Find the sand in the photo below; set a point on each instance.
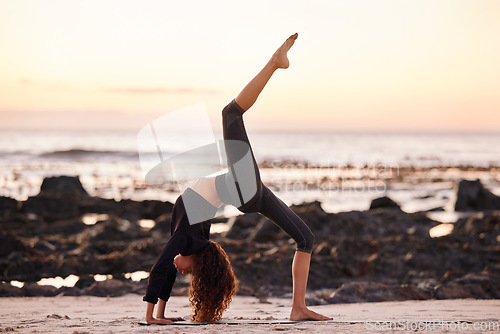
(87, 314)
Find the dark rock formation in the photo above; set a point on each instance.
(380, 254)
(8, 290)
(111, 288)
(472, 285)
(472, 196)
(383, 202)
(7, 205)
(35, 290)
(241, 226)
(63, 186)
(356, 292)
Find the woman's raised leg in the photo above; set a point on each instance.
(283, 217)
(250, 93)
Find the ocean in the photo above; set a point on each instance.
(344, 171)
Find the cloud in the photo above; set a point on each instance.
(160, 90)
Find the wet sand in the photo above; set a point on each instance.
(87, 314)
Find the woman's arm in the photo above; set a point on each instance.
(162, 276)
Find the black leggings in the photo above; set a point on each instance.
(241, 162)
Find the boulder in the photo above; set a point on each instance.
(35, 290)
(162, 224)
(472, 196)
(241, 226)
(358, 292)
(111, 288)
(7, 204)
(383, 202)
(154, 209)
(312, 213)
(58, 199)
(473, 285)
(113, 228)
(8, 290)
(266, 231)
(63, 186)
(10, 243)
(51, 208)
(84, 281)
(482, 227)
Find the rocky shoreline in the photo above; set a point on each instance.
(376, 255)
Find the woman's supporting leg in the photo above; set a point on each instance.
(300, 273)
(160, 311)
(152, 320)
(250, 93)
(277, 211)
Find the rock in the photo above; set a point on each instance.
(18, 223)
(58, 199)
(44, 246)
(35, 290)
(266, 231)
(154, 209)
(84, 281)
(312, 213)
(65, 227)
(113, 228)
(483, 227)
(51, 208)
(70, 291)
(374, 224)
(63, 186)
(242, 226)
(100, 205)
(7, 204)
(358, 292)
(8, 290)
(395, 222)
(472, 196)
(111, 288)
(323, 249)
(315, 301)
(436, 209)
(162, 224)
(383, 202)
(10, 243)
(472, 285)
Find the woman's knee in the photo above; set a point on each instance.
(307, 242)
(233, 108)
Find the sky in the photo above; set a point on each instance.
(357, 65)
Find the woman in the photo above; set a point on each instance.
(213, 283)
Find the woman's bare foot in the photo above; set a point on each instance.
(171, 319)
(162, 321)
(279, 58)
(304, 313)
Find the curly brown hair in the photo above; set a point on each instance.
(213, 283)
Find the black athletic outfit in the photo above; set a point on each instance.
(187, 239)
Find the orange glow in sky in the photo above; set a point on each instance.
(360, 65)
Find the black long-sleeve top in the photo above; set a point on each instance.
(185, 239)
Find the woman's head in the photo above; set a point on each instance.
(184, 263)
(213, 283)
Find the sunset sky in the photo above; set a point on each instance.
(358, 65)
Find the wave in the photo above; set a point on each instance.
(82, 153)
